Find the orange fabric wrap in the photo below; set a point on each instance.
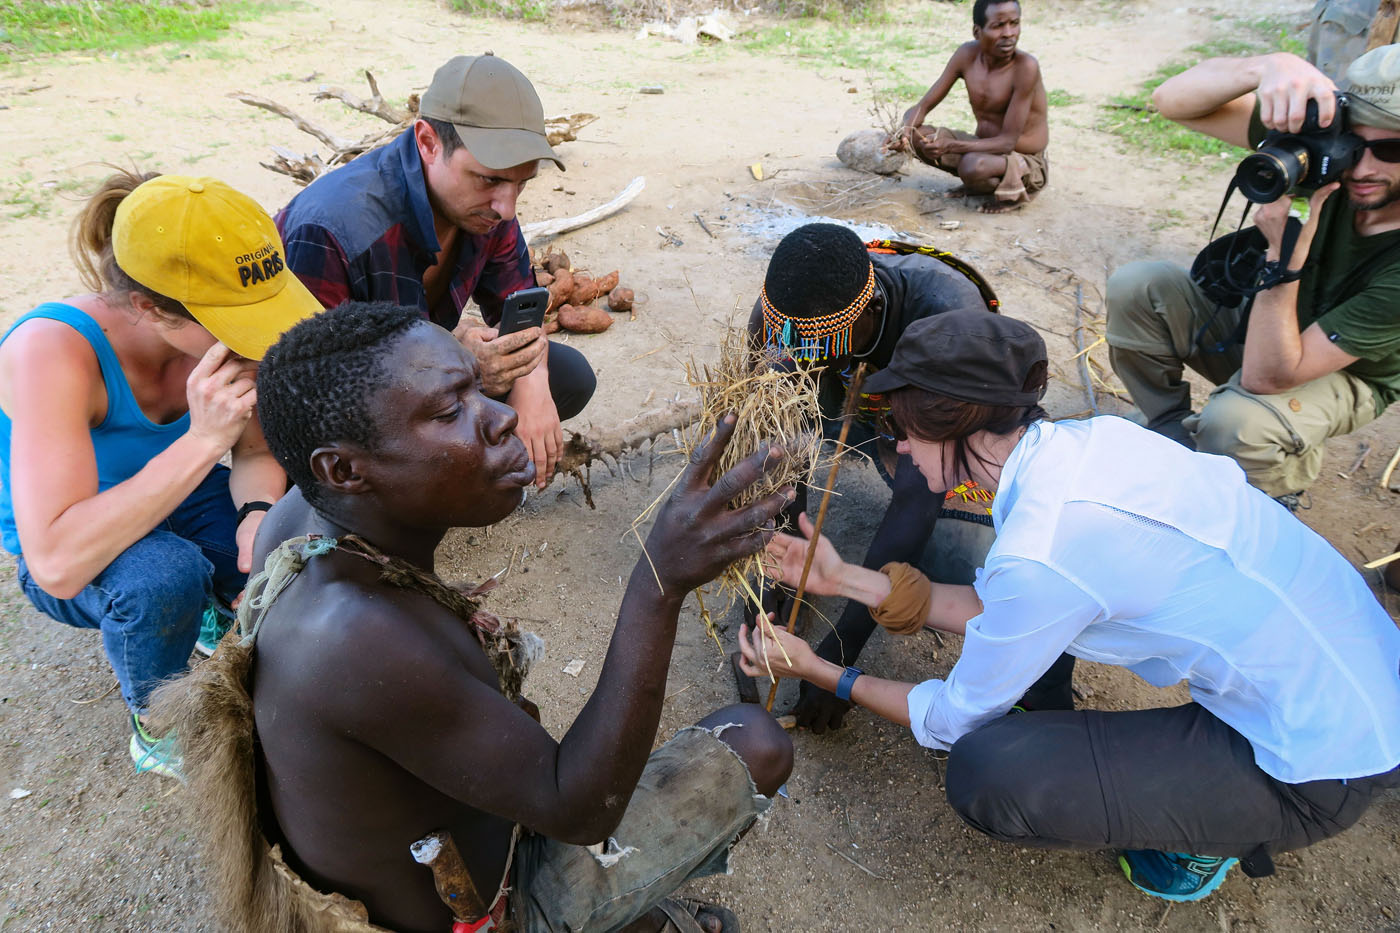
(911, 594)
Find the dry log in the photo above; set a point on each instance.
(544, 228)
(300, 122)
(582, 449)
(375, 105)
(564, 128)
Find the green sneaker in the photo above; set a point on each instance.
(157, 755)
(215, 623)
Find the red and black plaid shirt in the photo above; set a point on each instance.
(365, 232)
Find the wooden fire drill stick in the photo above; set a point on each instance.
(847, 416)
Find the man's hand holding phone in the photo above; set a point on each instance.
(502, 360)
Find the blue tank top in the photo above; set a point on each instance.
(124, 442)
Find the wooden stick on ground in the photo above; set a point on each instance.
(559, 225)
(847, 416)
(300, 122)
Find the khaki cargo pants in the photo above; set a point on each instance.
(1158, 322)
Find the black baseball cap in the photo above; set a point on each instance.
(972, 356)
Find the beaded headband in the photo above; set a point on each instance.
(814, 338)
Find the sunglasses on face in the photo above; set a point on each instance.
(1386, 150)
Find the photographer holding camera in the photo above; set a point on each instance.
(1309, 348)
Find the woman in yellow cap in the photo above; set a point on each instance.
(116, 409)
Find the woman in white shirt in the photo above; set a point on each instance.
(1116, 545)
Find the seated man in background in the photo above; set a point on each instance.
(1316, 353)
(428, 221)
(1006, 156)
(381, 705)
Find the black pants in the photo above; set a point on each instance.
(571, 380)
(1177, 780)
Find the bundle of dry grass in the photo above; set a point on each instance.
(773, 407)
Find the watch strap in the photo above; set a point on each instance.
(257, 505)
(847, 681)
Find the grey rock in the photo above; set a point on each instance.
(861, 151)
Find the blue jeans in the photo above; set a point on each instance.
(149, 601)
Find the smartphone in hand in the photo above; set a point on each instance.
(523, 309)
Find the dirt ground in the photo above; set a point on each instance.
(866, 840)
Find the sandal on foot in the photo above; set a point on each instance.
(683, 915)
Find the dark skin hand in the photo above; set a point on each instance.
(904, 530)
(379, 715)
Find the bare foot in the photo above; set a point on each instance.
(1001, 207)
(953, 194)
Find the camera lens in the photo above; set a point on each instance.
(1268, 174)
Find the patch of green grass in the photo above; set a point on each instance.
(116, 137)
(531, 11)
(1132, 117)
(1058, 97)
(30, 27)
(896, 59)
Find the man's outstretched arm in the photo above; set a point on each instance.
(445, 722)
(1217, 97)
(915, 116)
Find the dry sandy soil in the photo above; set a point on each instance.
(866, 840)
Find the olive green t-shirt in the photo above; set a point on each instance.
(1351, 289)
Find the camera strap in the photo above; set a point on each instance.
(1263, 278)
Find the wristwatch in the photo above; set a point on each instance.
(257, 505)
(847, 681)
(1274, 273)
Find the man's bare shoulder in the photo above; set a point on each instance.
(964, 55)
(1027, 66)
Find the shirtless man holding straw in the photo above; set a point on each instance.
(383, 709)
(1006, 156)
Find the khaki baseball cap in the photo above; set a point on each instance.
(1373, 82)
(214, 250)
(494, 108)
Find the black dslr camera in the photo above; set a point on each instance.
(1310, 158)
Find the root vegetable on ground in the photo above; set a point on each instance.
(586, 320)
(561, 288)
(544, 279)
(585, 290)
(620, 299)
(554, 260)
(607, 283)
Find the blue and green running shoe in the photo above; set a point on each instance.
(154, 755)
(217, 620)
(1174, 876)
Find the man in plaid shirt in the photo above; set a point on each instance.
(428, 221)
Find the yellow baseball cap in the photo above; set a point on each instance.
(215, 251)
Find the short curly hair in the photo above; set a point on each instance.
(979, 10)
(816, 270)
(317, 383)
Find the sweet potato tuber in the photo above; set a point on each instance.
(607, 283)
(554, 260)
(561, 288)
(543, 279)
(584, 320)
(620, 299)
(551, 326)
(585, 290)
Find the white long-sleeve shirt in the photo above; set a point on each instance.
(1119, 546)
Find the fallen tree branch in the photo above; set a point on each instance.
(544, 228)
(300, 122)
(582, 449)
(375, 105)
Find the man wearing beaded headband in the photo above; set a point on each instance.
(828, 297)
